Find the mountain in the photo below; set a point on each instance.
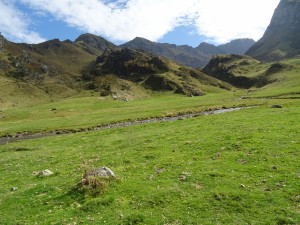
(52, 69)
(91, 42)
(183, 54)
(209, 49)
(126, 68)
(187, 55)
(56, 69)
(282, 37)
(238, 46)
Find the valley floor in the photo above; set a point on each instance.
(240, 167)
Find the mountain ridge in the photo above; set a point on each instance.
(187, 55)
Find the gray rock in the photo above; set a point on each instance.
(46, 173)
(182, 178)
(276, 106)
(14, 189)
(101, 172)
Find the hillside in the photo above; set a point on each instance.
(129, 68)
(260, 79)
(57, 69)
(282, 37)
(49, 70)
(187, 55)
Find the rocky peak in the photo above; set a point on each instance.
(140, 43)
(51, 44)
(95, 41)
(209, 49)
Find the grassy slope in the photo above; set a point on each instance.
(271, 80)
(241, 168)
(287, 81)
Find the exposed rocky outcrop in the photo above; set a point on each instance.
(282, 37)
(3, 41)
(129, 64)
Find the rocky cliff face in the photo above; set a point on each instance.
(2, 42)
(282, 37)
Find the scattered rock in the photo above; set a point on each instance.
(267, 189)
(101, 172)
(242, 186)
(182, 178)
(46, 173)
(274, 167)
(14, 189)
(242, 161)
(276, 106)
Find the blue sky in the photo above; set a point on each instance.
(173, 21)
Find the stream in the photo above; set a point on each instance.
(28, 135)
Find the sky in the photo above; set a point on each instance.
(178, 22)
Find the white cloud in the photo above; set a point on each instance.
(223, 20)
(121, 20)
(15, 25)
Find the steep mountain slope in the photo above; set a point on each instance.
(187, 55)
(282, 37)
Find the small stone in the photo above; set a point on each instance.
(46, 173)
(242, 186)
(264, 180)
(182, 178)
(14, 189)
(276, 106)
(267, 189)
(101, 172)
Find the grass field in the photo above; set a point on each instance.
(240, 167)
(236, 168)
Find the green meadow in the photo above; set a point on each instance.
(240, 167)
